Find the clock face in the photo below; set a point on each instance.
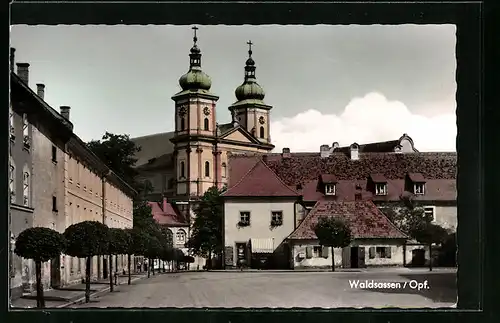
(206, 111)
(262, 120)
(182, 111)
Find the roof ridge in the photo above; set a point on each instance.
(243, 177)
(277, 177)
(304, 219)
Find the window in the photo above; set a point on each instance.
(317, 251)
(12, 181)
(276, 218)
(11, 123)
(261, 132)
(379, 252)
(205, 124)
(224, 170)
(26, 135)
(429, 212)
(418, 188)
(26, 187)
(182, 170)
(207, 169)
(54, 204)
(54, 154)
(358, 197)
(245, 218)
(330, 189)
(380, 189)
(180, 236)
(183, 123)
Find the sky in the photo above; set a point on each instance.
(344, 84)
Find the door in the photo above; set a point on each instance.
(361, 257)
(55, 272)
(354, 257)
(241, 253)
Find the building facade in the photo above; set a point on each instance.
(56, 181)
(359, 184)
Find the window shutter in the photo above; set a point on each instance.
(309, 252)
(388, 251)
(371, 252)
(324, 252)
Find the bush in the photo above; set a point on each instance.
(188, 259)
(39, 244)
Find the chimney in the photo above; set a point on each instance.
(354, 151)
(165, 202)
(40, 90)
(335, 145)
(324, 151)
(23, 72)
(286, 153)
(12, 58)
(65, 111)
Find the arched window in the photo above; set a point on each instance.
(207, 169)
(205, 125)
(26, 134)
(182, 171)
(26, 186)
(261, 132)
(183, 124)
(180, 237)
(12, 181)
(11, 122)
(224, 170)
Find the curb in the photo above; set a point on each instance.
(102, 291)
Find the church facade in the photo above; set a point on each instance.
(181, 165)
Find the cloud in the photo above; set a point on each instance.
(368, 119)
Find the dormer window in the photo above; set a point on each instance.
(418, 188)
(380, 189)
(329, 189)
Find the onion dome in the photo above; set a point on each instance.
(195, 78)
(250, 89)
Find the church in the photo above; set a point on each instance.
(182, 164)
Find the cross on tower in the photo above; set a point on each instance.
(195, 29)
(250, 47)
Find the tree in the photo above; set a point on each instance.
(332, 233)
(119, 240)
(152, 252)
(139, 242)
(414, 222)
(86, 240)
(41, 245)
(206, 237)
(129, 251)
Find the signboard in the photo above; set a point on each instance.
(229, 256)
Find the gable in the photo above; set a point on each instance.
(240, 135)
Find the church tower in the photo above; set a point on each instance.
(195, 130)
(249, 110)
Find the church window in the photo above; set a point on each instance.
(182, 170)
(183, 123)
(205, 125)
(180, 236)
(207, 169)
(224, 170)
(261, 132)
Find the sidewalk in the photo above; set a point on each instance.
(69, 295)
(343, 270)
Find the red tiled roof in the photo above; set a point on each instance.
(416, 177)
(328, 178)
(364, 219)
(260, 180)
(378, 178)
(166, 214)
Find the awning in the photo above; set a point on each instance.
(262, 245)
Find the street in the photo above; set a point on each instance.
(287, 289)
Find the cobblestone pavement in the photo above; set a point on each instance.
(285, 289)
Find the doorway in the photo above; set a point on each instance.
(354, 257)
(241, 253)
(55, 272)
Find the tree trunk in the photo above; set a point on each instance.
(333, 259)
(87, 279)
(40, 301)
(129, 258)
(110, 260)
(163, 263)
(149, 268)
(153, 266)
(209, 264)
(430, 256)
